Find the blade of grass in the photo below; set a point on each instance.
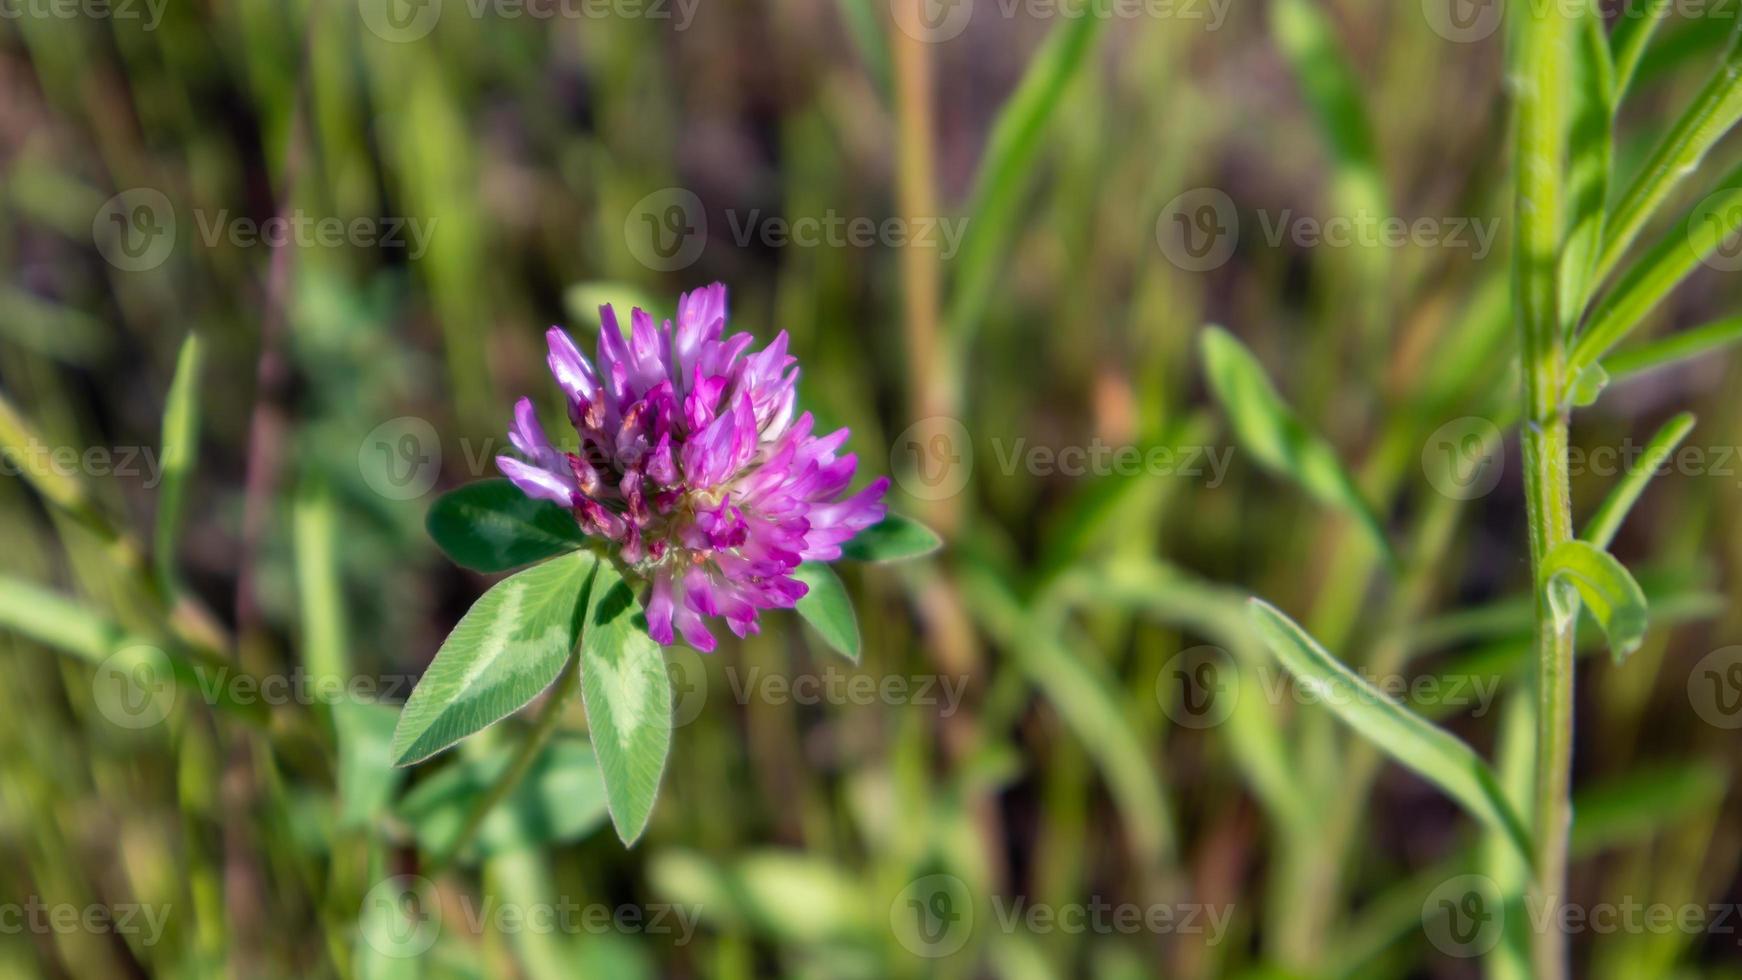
(1638, 22)
(1600, 531)
(1007, 168)
(1268, 428)
(1684, 345)
(1591, 154)
(1659, 271)
(1434, 753)
(181, 435)
(1714, 112)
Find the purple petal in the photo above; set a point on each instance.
(539, 484)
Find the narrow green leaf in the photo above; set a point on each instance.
(1590, 154)
(1332, 91)
(1679, 347)
(1607, 520)
(895, 538)
(828, 610)
(1434, 753)
(490, 526)
(507, 648)
(319, 587)
(1628, 43)
(1575, 570)
(1714, 112)
(181, 436)
(1088, 701)
(1268, 429)
(1007, 169)
(53, 620)
(561, 798)
(1648, 281)
(628, 698)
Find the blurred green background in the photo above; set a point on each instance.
(994, 231)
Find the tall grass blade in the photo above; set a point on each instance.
(1434, 753)
(1714, 112)
(1007, 169)
(1600, 531)
(1267, 427)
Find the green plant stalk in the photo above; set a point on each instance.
(1545, 37)
(542, 728)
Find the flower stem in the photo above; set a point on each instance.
(1542, 69)
(542, 727)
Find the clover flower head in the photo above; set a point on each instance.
(693, 463)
